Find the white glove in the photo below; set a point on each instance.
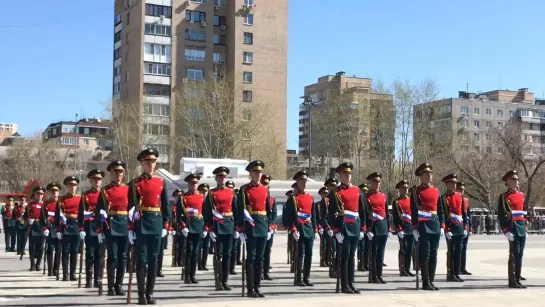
(204, 234)
(469, 233)
(269, 234)
(296, 235)
(416, 235)
(82, 234)
(236, 235)
(46, 233)
(330, 233)
(242, 238)
(185, 232)
(339, 237)
(132, 236)
(213, 236)
(389, 234)
(59, 235)
(31, 221)
(400, 234)
(465, 233)
(172, 232)
(442, 232)
(321, 231)
(316, 236)
(370, 235)
(509, 235)
(449, 235)
(164, 233)
(101, 237)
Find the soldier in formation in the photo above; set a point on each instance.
(68, 228)
(401, 209)
(36, 237)
(460, 188)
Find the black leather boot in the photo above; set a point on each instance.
(88, 273)
(119, 281)
(518, 278)
(432, 265)
(141, 281)
(150, 286)
(224, 276)
(426, 277)
(204, 260)
(257, 280)
(250, 282)
(160, 266)
(73, 266)
(306, 275)
(64, 266)
(344, 280)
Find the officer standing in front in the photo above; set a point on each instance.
(190, 220)
(401, 209)
(346, 217)
(69, 232)
(114, 202)
(266, 180)
(149, 216)
(219, 207)
(36, 237)
(378, 225)
(428, 223)
(460, 188)
(252, 223)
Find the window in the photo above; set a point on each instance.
(249, 19)
(155, 129)
(464, 122)
(511, 113)
(464, 136)
(500, 113)
(194, 113)
(156, 89)
(489, 149)
(500, 150)
(194, 74)
(488, 137)
(247, 96)
(219, 58)
(475, 136)
(448, 109)
(157, 69)
(219, 39)
(195, 35)
(68, 129)
(117, 70)
(476, 111)
(477, 148)
(117, 37)
(247, 114)
(195, 55)
(128, 18)
(193, 93)
(247, 76)
(464, 110)
(162, 149)
(117, 53)
(219, 20)
(85, 141)
(246, 136)
(68, 141)
(248, 38)
(156, 109)
(476, 124)
(500, 125)
(195, 16)
(488, 111)
(157, 53)
(220, 2)
(156, 29)
(85, 130)
(464, 148)
(199, 1)
(248, 57)
(248, 2)
(126, 76)
(117, 87)
(488, 124)
(158, 10)
(117, 20)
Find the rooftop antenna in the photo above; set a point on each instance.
(467, 90)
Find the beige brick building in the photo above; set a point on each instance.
(7, 130)
(159, 45)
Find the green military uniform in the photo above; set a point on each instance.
(401, 209)
(149, 216)
(66, 220)
(9, 225)
(36, 237)
(53, 248)
(21, 229)
(265, 180)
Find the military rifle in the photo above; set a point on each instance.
(338, 267)
(295, 261)
(44, 257)
(217, 267)
(184, 262)
(80, 262)
(331, 258)
(243, 266)
(372, 270)
(131, 273)
(102, 256)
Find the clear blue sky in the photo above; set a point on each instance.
(452, 41)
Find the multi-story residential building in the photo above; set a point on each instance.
(469, 123)
(87, 133)
(160, 45)
(7, 130)
(346, 110)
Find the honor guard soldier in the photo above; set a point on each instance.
(53, 244)
(218, 213)
(20, 228)
(9, 225)
(190, 220)
(401, 212)
(378, 225)
(460, 188)
(428, 223)
(347, 218)
(88, 224)
(178, 238)
(331, 245)
(114, 230)
(205, 247)
(266, 180)
(302, 214)
(324, 194)
(512, 219)
(36, 238)
(66, 222)
(252, 222)
(149, 217)
(455, 226)
(363, 245)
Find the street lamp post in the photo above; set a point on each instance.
(307, 101)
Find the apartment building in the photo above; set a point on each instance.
(160, 45)
(87, 133)
(468, 123)
(7, 130)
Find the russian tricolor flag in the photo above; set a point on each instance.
(50, 216)
(406, 218)
(303, 215)
(134, 215)
(377, 217)
(517, 213)
(88, 216)
(192, 211)
(63, 219)
(350, 216)
(104, 217)
(248, 218)
(456, 218)
(424, 216)
(217, 216)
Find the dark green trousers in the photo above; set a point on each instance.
(117, 256)
(379, 245)
(192, 252)
(146, 251)
(365, 253)
(518, 251)
(224, 245)
(70, 251)
(349, 248)
(456, 243)
(21, 240)
(53, 254)
(304, 246)
(427, 249)
(407, 249)
(35, 250)
(92, 258)
(267, 256)
(179, 241)
(464, 253)
(164, 245)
